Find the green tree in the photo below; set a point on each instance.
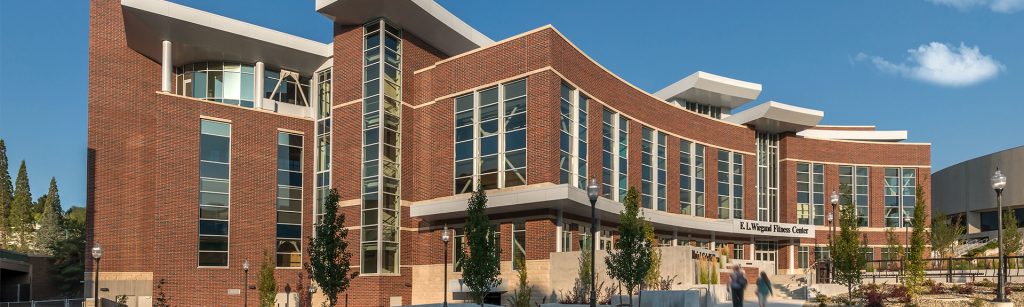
(481, 264)
(20, 217)
(945, 233)
(1011, 233)
(50, 220)
(915, 256)
(521, 296)
(586, 249)
(6, 196)
(849, 261)
(265, 282)
(631, 259)
(37, 208)
(329, 257)
(68, 259)
(654, 273)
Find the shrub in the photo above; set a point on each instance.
(978, 302)
(822, 299)
(985, 283)
(873, 295)
(936, 288)
(900, 293)
(965, 289)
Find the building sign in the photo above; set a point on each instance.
(772, 229)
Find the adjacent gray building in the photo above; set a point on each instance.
(965, 190)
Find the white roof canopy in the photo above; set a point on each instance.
(202, 36)
(424, 18)
(705, 88)
(856, 135)
(776, 117)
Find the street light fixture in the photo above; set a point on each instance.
(593, 192)
(97, 253)
(998, 183)
(834, 200)
(445, 238)
(245, 267)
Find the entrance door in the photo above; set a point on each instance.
(767, 251)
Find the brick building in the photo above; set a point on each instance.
(405, 112)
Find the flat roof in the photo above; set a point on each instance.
(856, 135)
(776, 117)
(712, 90)
(197, 35)
(424, 18)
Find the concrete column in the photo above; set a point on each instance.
(258, 86)
(675, 237)
(166, 69)
(558, 232)
(713, 247)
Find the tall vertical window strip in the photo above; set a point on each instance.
(855, 178)
(662, 175)
(767, 177)
(691, 178)
(323, 140)
(214, 192)
(810, 193)
(490, 138)
(381, 176)
(567, 125)
(730, 185)
(608, 176)
(623, 154)
(581, 140)
(289, 199)
(900, 196)
(646, 167)
(518, 245)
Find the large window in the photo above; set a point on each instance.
(214, 192)
(490, 138)
(323, 140)
(573, 137)
(518, 245)
(652, 169)
(381, 171)
(691, 178)
(802, 252)
(810, 193)
(614, 153)
(854, 183)
(767, 177)
(730, 185)
(286, 86)
(227, 82)
(900, 196)
(289, 199)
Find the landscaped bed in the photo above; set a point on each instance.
(937, 294)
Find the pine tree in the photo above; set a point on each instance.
(915, 256)
(631, 259)
(20, 216)
(68, 265)
(329, 257)
(847, 254)
(49, 222)
(265, 282)
(6, 196)
(481, 264)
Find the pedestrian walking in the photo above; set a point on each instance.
(737, 285)
(764, 288)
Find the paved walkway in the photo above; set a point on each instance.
(772, 302)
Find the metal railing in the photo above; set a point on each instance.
(47, 303)
(948, 269)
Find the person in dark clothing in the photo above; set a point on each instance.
(737, 285)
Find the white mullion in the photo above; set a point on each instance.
(501, 136)
(615, 156)
(476, 141)
(574, 139)
(380, 145)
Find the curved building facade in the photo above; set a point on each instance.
(964, 191)
(212, 142)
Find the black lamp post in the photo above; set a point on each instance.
(592, 192)
(998, 183)
(834, 200)
(97, 253)
(245, 267)
(445, 238)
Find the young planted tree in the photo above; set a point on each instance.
(20, 216)
(654, 273)
(631, 259)
(945, 234)
(915, 256)
(586, 249)
(50, 231)
(521, 296)
(849, 261)
(6, 196)
(329, 257)
(265, 282)
(1011, 234)
(481, 264)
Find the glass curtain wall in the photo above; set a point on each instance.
(490, 138)
(225, 82)
(214, 192)
(730, 185)
(900, 196)
(810, 193)
(855, 178)
(323, 140)
(289, 200)
(691, 178)
(767, 177)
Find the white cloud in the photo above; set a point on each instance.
(941, 64)
(999, 6)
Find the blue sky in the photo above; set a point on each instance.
(960, 89)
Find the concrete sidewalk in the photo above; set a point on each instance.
(772, 302)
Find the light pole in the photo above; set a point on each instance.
(445, 238)
(245, 267)
(97, 253)
(834, 200)
(998, 183)
(592, 192)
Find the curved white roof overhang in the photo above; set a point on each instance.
(424, 18)
(710, 89)
(855, 135)
(197, 35)
(777, 117)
